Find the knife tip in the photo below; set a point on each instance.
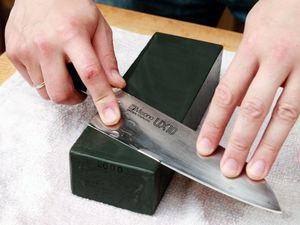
(278, 211)
(274, 208)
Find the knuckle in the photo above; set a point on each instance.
(11, 52)
(68, 30)
(279, 52)
(223, 96)
(269, 147)
(89, 73)
(23, 52)
(213, 127)
(253, 109)
(104, 95)
(14, 51)
(286, 112)
(237, 144)
(42, 43)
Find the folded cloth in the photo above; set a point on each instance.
(35, 139)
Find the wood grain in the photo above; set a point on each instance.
(6, 68)
(149, 24)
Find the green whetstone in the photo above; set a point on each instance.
(176, 76)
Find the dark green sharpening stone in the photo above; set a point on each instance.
(175, 75)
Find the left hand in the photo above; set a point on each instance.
(268, 57)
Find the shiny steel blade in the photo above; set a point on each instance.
(162, 138)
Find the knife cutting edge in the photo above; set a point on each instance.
(164, 139)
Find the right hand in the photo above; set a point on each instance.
(42, 36)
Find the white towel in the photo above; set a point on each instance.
(35, 139)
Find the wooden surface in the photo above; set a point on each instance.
(148, 24)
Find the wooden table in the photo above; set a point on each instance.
(148, 24)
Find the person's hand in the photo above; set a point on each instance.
(268, 57)
(42, 36)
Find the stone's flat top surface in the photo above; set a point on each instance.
(171, 72)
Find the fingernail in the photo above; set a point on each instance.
(230, 168)
(257, 169)
(116, 75)
(109, 116)
(204, 146)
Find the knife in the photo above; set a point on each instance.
(158, 136)
(173, 144)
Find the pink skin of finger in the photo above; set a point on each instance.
(259, 68)
(58, 32)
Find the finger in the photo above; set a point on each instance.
(13, 55)
(254, 108)
(59, 84)
(23, 71)
(85, 60)
(103, 44)
(227, 96)
(283, 118)
(35, 74)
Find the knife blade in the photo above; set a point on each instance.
(173, 144)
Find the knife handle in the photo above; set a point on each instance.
(78, 84)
